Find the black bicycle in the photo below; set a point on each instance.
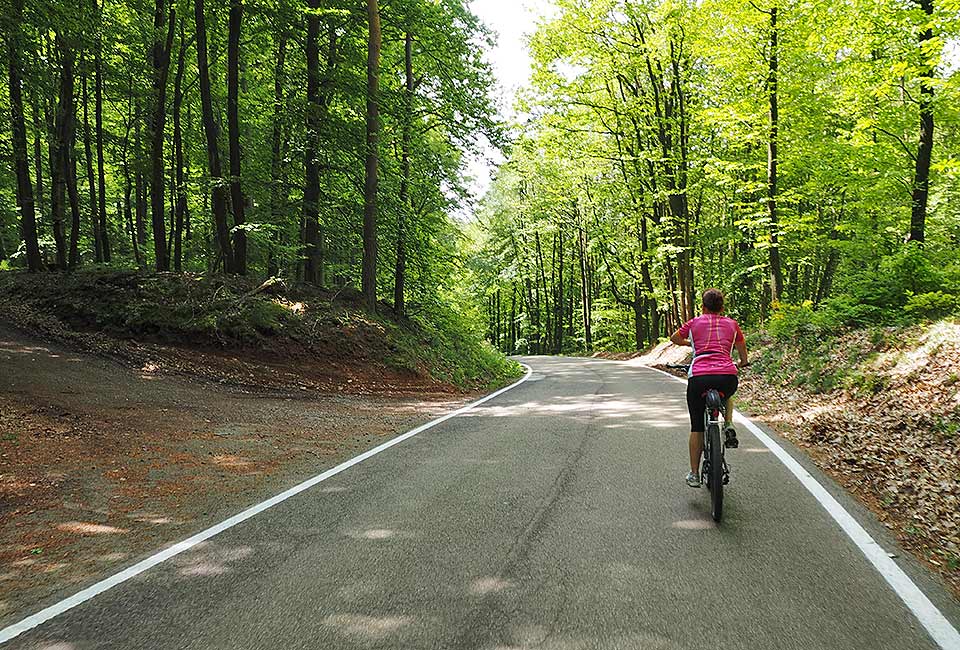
(714, 470)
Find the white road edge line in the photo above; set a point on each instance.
(936, 624)
(45, 615)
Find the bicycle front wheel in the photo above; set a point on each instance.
(715, 477)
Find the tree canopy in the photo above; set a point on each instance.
(792, 153)
(243, 137)
(786, 152)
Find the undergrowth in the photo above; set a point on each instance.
(239, 313)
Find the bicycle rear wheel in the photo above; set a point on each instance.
(715, 477)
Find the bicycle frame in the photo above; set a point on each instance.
(713, 417)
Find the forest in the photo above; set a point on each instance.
(804, 157)
(322, 142)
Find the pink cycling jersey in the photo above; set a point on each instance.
(712, 337)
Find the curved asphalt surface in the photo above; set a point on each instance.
(553, 517)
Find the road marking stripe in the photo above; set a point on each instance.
(45, 615)
(936, 624)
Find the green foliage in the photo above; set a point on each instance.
(904, 289)
(657, 197)
(234, 312)
(454, 352)
(931, 305)
(791, 322)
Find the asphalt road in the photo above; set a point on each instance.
(554, 516)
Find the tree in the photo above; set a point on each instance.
(212, 136)
(921, 176)
(233, 137)
(371, 172)
(24, 190)
(161, 68)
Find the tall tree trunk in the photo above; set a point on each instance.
(371, 177)
(921, 176)
(128, 182)
(776, 274)
(640, 325)
(66, 160)
(73, 195)
(188, 234)
(558, 299)
(38, 170)
(311, 188)
(233, 135)
(101, 172)
(512, 328)
(28, 223)
(161, 70)
(211, 130)
(91, 183)
(540, 278)
(58, 152)
(400, 272)
(180, 190)
(277, 180)
(585, 289)
(140, 200)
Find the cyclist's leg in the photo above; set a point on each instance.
(728, 386)
(695, 406)
(696, 450)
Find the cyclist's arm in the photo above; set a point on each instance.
(676, 339)
(742, 351)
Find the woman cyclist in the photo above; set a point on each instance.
(713, 337)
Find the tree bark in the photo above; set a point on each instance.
(276, 148)
(101, 172)
(128, 182)
(28, 223)
(73, 196)
(140, 198)
(921, 176)
(219, 198)
(400, 272)
(161, 69)
(67, 158)
(585, 289)
(558, 299)
(91, 183)
(233, 135)
(180, 190)
(371, 178)
(59, 147)
(776, 274)
(311, 188)
(540, 277)
(38, 170)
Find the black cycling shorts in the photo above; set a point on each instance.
(696, 401)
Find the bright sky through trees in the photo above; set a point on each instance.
(512, 23)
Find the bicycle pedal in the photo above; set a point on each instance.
(731, 442)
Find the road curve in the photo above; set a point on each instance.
(554, 517)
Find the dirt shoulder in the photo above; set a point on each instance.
(102, 460)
